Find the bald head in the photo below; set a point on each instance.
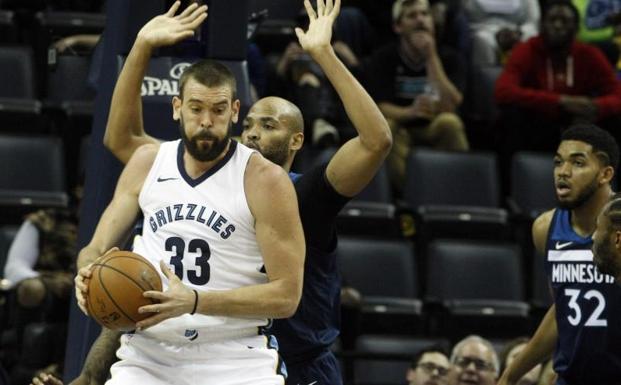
(287, 113)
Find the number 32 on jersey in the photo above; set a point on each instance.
(576, 297)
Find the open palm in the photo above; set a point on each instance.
(319, 30)
(168, 29)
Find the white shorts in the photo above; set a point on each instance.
(242, 361)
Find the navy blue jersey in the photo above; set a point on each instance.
(315, 325)
(588, 308)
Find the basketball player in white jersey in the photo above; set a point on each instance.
(274, 127)
(220, 220)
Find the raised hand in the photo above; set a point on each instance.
(177, 300)
(168, 29)
(319, 32)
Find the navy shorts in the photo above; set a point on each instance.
(322, 370)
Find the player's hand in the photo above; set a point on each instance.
(45, 379)
(317, 38)
(81, 282)
(168, 29)
(177, 300)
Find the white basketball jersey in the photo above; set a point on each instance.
(204, 230)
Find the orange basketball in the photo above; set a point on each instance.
(115, 289)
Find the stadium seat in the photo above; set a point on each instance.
(384, 360)
(8, 28)
(19, 108)
(483, 104)
(455, 195)
(478, 285)
(51, 26)
(42, 344)
(373, 219)
(532, 184)
(32, 173)
(367, 265)
(541, 298)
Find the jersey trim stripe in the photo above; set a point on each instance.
(570, 256)
(208, 173)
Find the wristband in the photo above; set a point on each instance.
(195, 301)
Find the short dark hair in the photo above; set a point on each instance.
(209, 73)
(604, 145)
(563, 3)
(431, 349)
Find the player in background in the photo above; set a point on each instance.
(582, 327)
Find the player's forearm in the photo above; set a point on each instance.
(539, 348)
(276, 299)
(125, 117)
(88, 255)
(365, 115)
(101, 357)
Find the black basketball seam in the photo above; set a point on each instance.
(139, 259)
(148, 265)
(101, 282)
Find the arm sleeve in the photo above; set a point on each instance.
(319, 205)
(23, 254)
(510, 87)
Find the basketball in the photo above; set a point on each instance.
(115, 289)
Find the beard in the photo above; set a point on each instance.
(582, 198)
(277, 153)
(604, 258)
(204, 153)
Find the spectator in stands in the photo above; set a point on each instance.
(39, 270)
(299, 79)
(551, 81)
(40, 260)
(496, 26)
(429, 367)
(417, 86)
(599, 22)
(474, 361)
(512, 350)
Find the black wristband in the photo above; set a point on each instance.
(195, 301)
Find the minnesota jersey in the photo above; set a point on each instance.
(204, 230)
(588, 308)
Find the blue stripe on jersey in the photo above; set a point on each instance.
(588, 314)
(294, 176)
